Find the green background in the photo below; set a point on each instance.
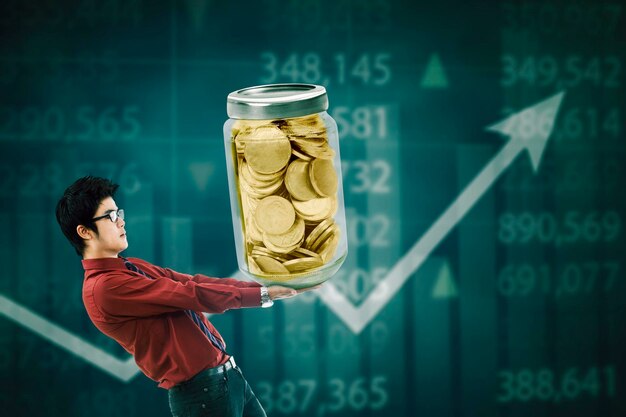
(519, 311)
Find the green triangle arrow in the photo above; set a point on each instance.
(445, 287)
(201, 172)
(434, 75)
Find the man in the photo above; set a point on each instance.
(155, 313)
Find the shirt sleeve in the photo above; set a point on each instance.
(132, 295)
(203, 279)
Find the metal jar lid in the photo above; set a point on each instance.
(276, 101)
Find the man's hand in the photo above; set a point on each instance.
(277, 292)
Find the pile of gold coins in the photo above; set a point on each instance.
(288, 193)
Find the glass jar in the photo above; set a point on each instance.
(286, 192)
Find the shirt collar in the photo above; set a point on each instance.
(104, 263)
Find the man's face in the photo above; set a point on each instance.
(111, 238)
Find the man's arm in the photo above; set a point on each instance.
(127, 295)
(201, 279)
(276, 292)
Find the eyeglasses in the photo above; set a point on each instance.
(112, 215)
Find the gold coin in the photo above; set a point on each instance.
(321, 152)
(281, 250)
(255, 182)
(303, 253)
(249, 202)
(304, 126)
(317, 141)
(275, 215)
(245, 204)
(265, 177)
(255, 187)
(259, 192)
(262, 250)
(297, 181)
(288, 239)
(328, 248)
(252, 231)
(315, 209)
(323, 177)
(323, 237)
(300, 155)
(244, 130)
(270, 266)
(269, 150)
(247, 125)
(303, 264)
(239, 148)
(282, 192)
(316, 232)
(256, 252)
(309, 227)
(253, 267)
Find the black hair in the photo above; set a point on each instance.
(78, 206)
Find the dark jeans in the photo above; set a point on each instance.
(225, 394)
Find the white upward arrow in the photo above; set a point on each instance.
(529, 130)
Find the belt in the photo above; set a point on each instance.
(220, 369)
(230, 363)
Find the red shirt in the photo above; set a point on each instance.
(147, 316)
